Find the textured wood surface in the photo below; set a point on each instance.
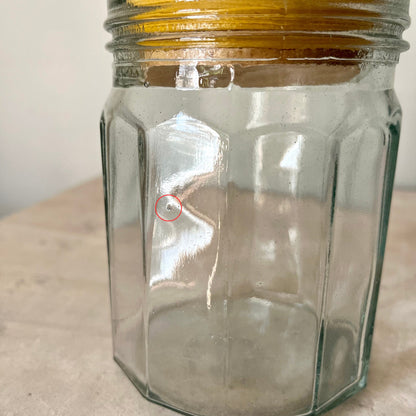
(55, 340)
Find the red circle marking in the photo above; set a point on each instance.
(173, 196)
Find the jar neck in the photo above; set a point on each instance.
(238, 35)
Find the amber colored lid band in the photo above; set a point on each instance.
(161, 32)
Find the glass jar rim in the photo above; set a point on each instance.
(258, 30)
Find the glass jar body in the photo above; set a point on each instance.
(246, 233)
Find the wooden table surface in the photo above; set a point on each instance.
(55, 339)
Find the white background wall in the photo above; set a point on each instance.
(54, 78)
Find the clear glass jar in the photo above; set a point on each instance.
(249, 151)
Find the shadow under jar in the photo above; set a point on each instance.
(249, 150)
